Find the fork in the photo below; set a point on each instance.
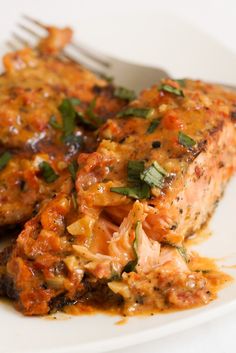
(126, 74)
(130, 75)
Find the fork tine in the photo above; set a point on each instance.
(77, 47)
(90, 55)
(87, 58)
(20, 39)
(34, 21)
(11, 45)
(84, 63)
(29, 30)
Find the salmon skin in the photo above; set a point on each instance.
(117, 235)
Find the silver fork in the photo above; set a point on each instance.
(130, 75)
(127, 74)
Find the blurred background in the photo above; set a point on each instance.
(185, 37)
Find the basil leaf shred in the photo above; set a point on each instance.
(143, 113)
(124, 93)
(173, 90)
(48, 173)
(138, 192)
(154, 175)
(185, 140)
(4, 159)
(153, 125)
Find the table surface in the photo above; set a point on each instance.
(218, 19)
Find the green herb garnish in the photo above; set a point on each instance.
(183, 252)
(107, 78)
(143, 113)
(170, 89)
(138, 192)
(154, 175)
(74, 140)
(73, 167)
(86, 123)
(124, 93)
(91, 114)
(74, 199)
(185, 140)
(4, 159)
(153, 125)
(69, 120)
(75, 101)
(115, 276)
(47, 172)
(181, 249)
(131, 265)
(70, 117)
(53, 122)
(69, 114)
(134, 169)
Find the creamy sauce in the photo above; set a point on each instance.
(200, 236)
(207, 266)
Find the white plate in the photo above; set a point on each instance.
(158, 39)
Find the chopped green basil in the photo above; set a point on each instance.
(73, 167)
(154, 175)
(86, 123)
(136, 112)
(134, 169)
(47, 172)
(74, 140)
(181, 249)
(115, 276)
(185, 140)
(183, 252)
(153, 125)
(53, 122)
(107, 78)
(74, 199)
(138, 228)
(4, 159)
(170, 89)
(131, 265)
(141, 191)
(69, 114)
(124, 93)
(90, 113)
(75, 101)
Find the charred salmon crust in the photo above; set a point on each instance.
(160, 168)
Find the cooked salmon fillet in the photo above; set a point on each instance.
(34, 89)
(191, 137)
(160, 168)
